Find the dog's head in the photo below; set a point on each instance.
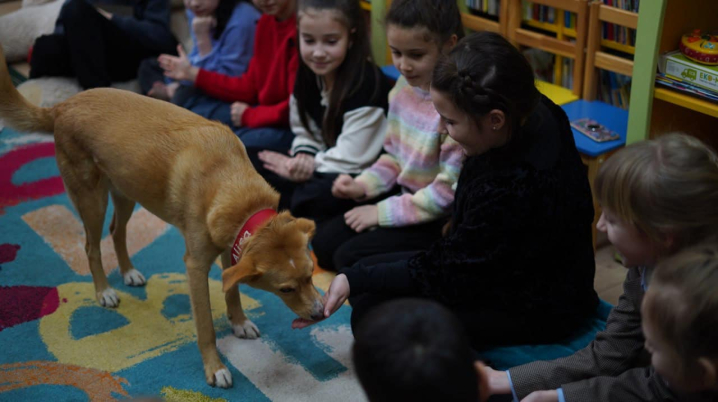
(277, 259)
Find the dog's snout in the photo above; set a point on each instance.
(317, 316)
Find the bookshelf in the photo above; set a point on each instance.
(658, 110)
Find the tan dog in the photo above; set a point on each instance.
(190, 172)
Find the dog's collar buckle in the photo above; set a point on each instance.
(248, 230)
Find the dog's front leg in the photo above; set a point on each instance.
(198, 273)
(241, 325)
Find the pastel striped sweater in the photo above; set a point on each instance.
(423, 162)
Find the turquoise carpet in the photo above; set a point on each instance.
(57, 344)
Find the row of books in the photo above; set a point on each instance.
(677, 71)
(613, 88)
(686, 87)
(546, 14)
(617, 33)
(489, 7)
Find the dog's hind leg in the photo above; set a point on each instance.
(241, 325)
(87, 188)
(123, 211)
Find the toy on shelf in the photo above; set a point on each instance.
(700, 47)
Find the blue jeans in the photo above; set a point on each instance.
(276, 139)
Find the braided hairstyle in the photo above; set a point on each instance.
(485, 72)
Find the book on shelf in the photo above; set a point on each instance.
(682, 69)
(686, 87)
(618, 33)
(613, 88)
(488, 7)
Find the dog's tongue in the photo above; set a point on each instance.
(300, 323)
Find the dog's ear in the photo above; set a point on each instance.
(244, 271)
(306, 226)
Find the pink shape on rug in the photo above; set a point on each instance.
(11, 194)
(19, 304)
(8, 252)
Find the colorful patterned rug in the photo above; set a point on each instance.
(58, 344)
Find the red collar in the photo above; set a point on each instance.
(247, 230)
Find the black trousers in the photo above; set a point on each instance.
(336, 245)
(92, 49)
(486, 325)
(311, 199)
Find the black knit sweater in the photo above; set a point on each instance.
(521, 231)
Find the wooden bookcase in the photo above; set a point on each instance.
(657, 110)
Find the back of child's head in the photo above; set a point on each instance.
(485, 72)
(441, 18)
(665, 186)
(681, 309)
(411, 349)
(349, 75)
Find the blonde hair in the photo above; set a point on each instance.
(682, 303)
(661, 186)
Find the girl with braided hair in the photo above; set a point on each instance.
(517, 263)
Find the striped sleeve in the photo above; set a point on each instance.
(428, 203)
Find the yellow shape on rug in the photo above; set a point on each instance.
(148, 334)
(180, 395)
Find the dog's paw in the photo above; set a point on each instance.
(108, 298)
(223, 378)
(246, 330)
(133, 277)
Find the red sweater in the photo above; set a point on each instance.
(269, 80)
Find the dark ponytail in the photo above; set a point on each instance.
(485, 72)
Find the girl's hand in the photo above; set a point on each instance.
(178, 68)
(542, 396)
(498, 381)
(172, 89)
(237, 111)
(362, 218)
(283, 165)
(203, 25)
(301, 167)
(275, 162)
(346, 187)
(337, 294)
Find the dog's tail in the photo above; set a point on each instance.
(16, 111)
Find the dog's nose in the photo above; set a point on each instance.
(317, 316)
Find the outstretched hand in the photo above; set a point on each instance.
(178, 67)
(337, 294)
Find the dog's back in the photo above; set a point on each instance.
(152, 152)
(143, 145)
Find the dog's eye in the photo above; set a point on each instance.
(286, 290)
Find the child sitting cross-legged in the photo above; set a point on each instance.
(255, 104)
